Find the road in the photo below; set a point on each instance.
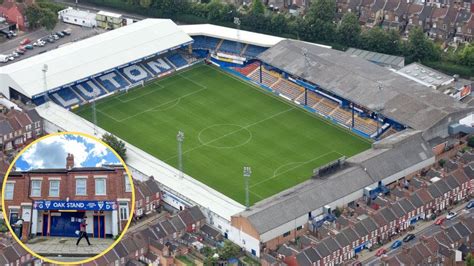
(427, 228)
(77, 33)
(92, 7)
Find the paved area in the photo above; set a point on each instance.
(91, 7)
(427, 228)
(64, 247)
(77, 33)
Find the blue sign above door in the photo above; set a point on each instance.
(75, 205)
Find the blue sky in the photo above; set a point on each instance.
(51, 152)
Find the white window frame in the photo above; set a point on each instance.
(85, 186)
(105, 186)
(33, 188)
(50, 187)
(123, 209)
(7, 186)
(128, 186)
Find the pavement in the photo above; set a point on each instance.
(59, 248)
(426, 228)
(77, 33)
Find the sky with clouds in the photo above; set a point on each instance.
(51, 152)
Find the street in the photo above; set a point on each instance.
(427, 228)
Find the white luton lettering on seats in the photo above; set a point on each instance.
(158, 65)
(63, 102)
(111, 78)
(90, 94)
(135, 72)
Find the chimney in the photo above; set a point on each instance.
(69, 161)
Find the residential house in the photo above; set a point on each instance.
(437, 22)
(18, 128)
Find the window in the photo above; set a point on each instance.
(286, 234)
(9, 191)
(54, 188)
(123, 211)
(100, 186)
(81, 187)
(128, 187)
(299, 227)
(36, 188)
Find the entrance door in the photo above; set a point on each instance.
(45, 224)
(99, 226)
(65, 223)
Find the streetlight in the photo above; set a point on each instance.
(247, 173)
(180, 139)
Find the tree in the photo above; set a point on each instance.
(466, 56)
(145, 3)
(257, 7)
(469, 260)
(48, 19)
(278, 24)
(470, 142)
(229, 250)
(214, 10)
(348, 30)
(421, 48)
(323, 10)
(33, 13)
(116, 144)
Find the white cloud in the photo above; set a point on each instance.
(51, 152)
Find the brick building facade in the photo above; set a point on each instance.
(52, 201)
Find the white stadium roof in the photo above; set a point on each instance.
(231, 34)
(91, 56)
(145, 163)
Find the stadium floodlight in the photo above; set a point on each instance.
(180, 139)
(94, 112)
(45, 84)
(237, 23)
(247, 173)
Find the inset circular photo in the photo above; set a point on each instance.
(68, 198)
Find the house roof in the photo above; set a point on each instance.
(322, 250)
(406, 205)
(415, 200)
(434, 192)
(360, 229)
(302, 259)
(388, 214)
(369, 224)
(397, 209)
(342, 239)
(312, 255)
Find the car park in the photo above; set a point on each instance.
(408, 238)
(396, 244)
(470, 204)
(451, 215)
(380, 252)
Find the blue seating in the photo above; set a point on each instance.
(87, 89)
(177, 60)
(157, 65)
(254, 51)
(65, 97)
(135, 73)
(112, 81)
(231, 47)
(204, 42)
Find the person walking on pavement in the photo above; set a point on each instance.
(82, 231)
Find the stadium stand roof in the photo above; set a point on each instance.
(394, 156)
(392, 61)
(425, 76)
(190, 188)
(364, 83)
(93, 55)
(220, 32)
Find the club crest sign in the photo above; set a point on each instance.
(77, 205)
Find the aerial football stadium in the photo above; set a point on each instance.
(263, 133)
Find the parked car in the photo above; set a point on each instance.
(396, 244)
(39, 43)
(380, 252)
(29, 46)
(60, 34)
(11, 58)
(440, 221)
(50, 39)
(4, 58)
(12, 33)
(25, 41)
(54, 36)
(451, 215)
(408, 238)
(470, 204)
(16, 54)
(19, 51)
(66, 32)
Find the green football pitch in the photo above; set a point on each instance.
(228, 124)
